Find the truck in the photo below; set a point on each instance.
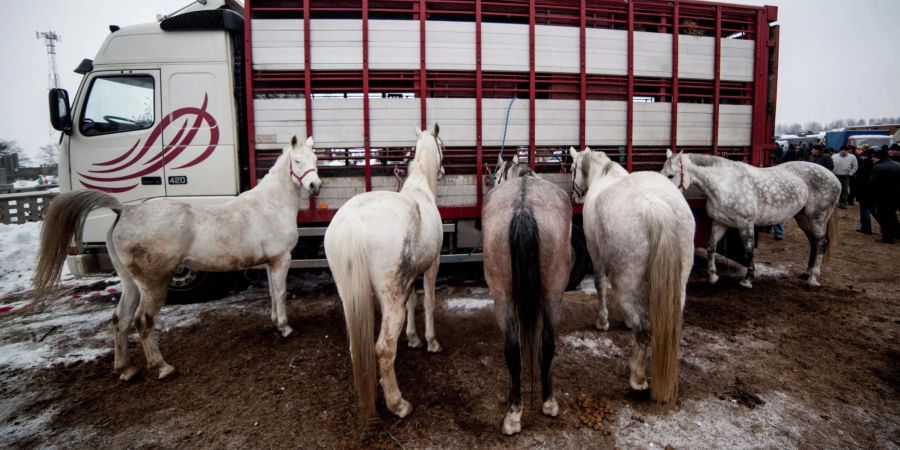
(839, 138)
(198, 104)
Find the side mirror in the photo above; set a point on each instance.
(60, 111)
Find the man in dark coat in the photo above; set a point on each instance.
(790, 154)
(884, 186)
(894, 152)
(861, 190)
(817, 157)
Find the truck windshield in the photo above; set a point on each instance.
(117, 104)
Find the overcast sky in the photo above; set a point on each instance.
(839, 58)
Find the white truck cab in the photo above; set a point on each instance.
(155, 116)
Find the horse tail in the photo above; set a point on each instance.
(666, 289)
(831, 234)
(64, 220)
(349, 262)
(531, 310)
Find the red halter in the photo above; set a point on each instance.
(681, 181)
(303, 175)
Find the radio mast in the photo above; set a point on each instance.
(50, 39)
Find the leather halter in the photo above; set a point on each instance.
(303, 175)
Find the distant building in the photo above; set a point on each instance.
(10, 163)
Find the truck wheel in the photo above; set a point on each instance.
(191, 286)
(582, 264)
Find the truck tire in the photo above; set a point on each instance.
(190, 286)
(582, 264)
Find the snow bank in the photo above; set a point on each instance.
(18, 255)
(469, 304)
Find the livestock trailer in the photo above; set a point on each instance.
(217, 89)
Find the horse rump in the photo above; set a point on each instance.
(64, 220)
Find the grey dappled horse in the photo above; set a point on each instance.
(742, 196)
(640, 233)
(526, 229)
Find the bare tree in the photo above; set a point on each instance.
(9, 147)
(49, 154)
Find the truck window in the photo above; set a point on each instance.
(117, 104)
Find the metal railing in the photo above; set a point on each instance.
(24, 206)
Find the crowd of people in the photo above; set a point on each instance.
(868, 175)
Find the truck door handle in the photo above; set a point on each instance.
(151, 181)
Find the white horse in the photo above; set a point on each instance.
(741, 196)
(148, 241)
(640, 232)
(527, 228)
(377, 244)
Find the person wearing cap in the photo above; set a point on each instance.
(861, 189)
(818, 158)
(894, 152)
(844, 167)
(884, 185)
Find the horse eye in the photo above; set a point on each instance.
(672, 176)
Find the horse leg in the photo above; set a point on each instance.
(548, 351)
(430, 278)
(628, 290)
(121, 322)
(153, 296)
(412, 337)
(392, 315)
(601, 282)
(817, 244)
(716, 233)
(277, 269)
(512, 423)
(747, 238)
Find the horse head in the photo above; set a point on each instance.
(673, 169)
(507, 170)
(302, 162)
(428, 139)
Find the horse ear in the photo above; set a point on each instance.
(515, 159)
(418, 131)
(499, 159)
(437, 129)
(294, 141)
(668, 153)
(587, 149)
(573, 153)
(309, 142)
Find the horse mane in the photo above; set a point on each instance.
(708, 160)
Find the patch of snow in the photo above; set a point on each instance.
(479, 291)
(767, 271)
(469, 304)
(19, 184)
(587, 286)
(715, 423)
(19, 245)
(592, 342)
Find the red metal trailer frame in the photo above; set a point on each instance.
(668, 16)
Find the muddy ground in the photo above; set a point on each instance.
(778, 366)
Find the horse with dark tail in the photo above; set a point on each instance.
(527, 260)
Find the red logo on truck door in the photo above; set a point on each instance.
(121, 173)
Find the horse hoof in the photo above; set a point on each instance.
(403, 409)
(512, 423)
(713, 278)
(128, 373)
(434, 347)
(813, 284)
(286, 331)
(747, 284)
(638, 385)
(166, 371)
(551, 407)
(602, 326)
(414, 342)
